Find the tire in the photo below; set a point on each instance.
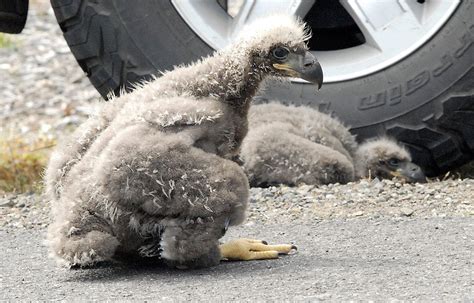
(426, 100)
(13, 15)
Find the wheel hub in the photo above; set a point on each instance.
(392, 29)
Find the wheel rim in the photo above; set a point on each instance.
(392, 29)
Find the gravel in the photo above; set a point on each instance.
(43, 91)
(24, 211)
(364, 199)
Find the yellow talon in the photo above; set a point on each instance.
(250, 249)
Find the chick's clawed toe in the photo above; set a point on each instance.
(250, 249)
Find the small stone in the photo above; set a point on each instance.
(407, 212)
(7, 203)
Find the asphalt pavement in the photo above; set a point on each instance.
(355, 259)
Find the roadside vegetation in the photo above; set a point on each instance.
(22, 163)
(5, 41)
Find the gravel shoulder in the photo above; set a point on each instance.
(43, 91)
(363, 199)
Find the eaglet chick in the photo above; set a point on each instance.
(291, 145)
(151, 174)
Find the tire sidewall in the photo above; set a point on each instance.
(378, 100)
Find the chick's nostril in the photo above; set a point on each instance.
(309, 60)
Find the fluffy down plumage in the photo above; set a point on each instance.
(292, 145)
(151, 173)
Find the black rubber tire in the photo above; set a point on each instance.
(13, 14)
(426, 100)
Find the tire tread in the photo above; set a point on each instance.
(93, 38)
(444, 142)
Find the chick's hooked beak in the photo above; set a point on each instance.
(304, 66)
(410, 172)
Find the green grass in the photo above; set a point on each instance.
(5, 41)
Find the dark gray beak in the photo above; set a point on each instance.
(410, 172)
(311, 70)
(304, 66)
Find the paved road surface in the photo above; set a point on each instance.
(409, 259)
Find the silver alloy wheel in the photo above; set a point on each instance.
(393, 29)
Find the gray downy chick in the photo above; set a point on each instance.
(150, 174)
(385, 158)
(292, 145)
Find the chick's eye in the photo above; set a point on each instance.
(280, 53)
(393, 162)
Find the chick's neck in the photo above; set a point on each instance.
(229, 77)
